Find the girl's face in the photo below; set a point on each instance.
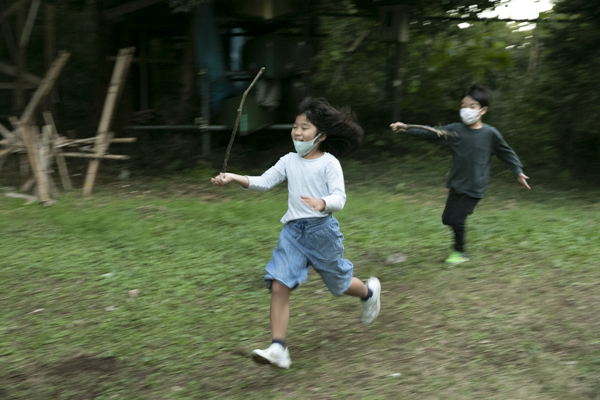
(303, 129)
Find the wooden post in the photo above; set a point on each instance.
(115, 89)
(60, 159)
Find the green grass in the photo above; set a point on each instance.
(519, 321)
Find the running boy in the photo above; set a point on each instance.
(311, 235)
(471, 151)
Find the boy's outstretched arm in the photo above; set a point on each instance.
(505, 153)
(224, 178)
(522, 178)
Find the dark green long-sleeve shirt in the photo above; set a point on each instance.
(471, 153)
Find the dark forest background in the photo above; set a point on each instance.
(545, 80)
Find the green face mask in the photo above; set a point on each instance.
(303, 148)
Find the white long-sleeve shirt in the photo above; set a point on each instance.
(321, 178)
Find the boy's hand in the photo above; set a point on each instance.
(313, 203)
(522, 178)
(222, 179)
(398, 127)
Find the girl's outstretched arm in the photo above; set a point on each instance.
(224, 178)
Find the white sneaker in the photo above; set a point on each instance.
(370, 308)
(275, 355)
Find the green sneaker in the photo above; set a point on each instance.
(456, 257)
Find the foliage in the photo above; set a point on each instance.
(565, 91)
(544, 80)
(355, 78)
(518, 321)
(437, 63)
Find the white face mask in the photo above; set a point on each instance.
(303, 148)
(469, 116)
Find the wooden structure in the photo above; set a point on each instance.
(42, 149)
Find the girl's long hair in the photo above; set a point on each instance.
(344, 134)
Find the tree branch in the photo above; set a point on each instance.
(237, 120)
(439, 132)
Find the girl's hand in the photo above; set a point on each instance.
(522, 178)
(398, 127)
(222, 179)
(313, 203)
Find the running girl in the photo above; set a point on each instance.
(311, 235)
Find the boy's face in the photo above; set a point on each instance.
(469, 102)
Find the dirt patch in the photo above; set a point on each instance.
(85, 364)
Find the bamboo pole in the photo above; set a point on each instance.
(70, 142)
(6, 133)
(114, 92)
(29, 78)
(15, 7)
(60, 159)
(33, 10)
(21, 196)
(123, 140)
(45, 86)
(96, 156)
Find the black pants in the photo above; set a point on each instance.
(458, 207)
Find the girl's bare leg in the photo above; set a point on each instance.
(280, 310)
(357, 289)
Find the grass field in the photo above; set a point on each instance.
(519, 321)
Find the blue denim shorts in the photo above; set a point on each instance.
(306, 242)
